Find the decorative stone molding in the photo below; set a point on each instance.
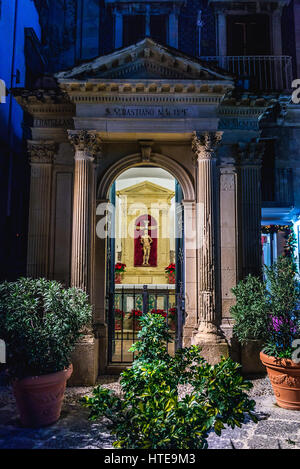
(41, 152)
(181, 92)
(146, 149)
(158, 160)
(53, 123)
(153, 58)
(86, 144)
(205, 144)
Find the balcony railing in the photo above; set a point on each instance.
(278, 190)
(260, 72)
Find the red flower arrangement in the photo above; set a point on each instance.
(120, 268)
(159, 311)
(172, 312)
(170, 269)
(136, 313)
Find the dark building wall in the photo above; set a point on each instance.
(78, 30)
(288, 33)
(20, 63)
(188, 30)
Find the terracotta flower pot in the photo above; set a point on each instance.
(118, 278)
(171, 278)
(39, 398)
(284, 375)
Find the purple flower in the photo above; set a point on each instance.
(278, 322)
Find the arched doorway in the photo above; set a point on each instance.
(184, 290)
(145, 265)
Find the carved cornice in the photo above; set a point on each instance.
(55, 101)
(204, 144)
(144, 93)
(85, 142)
(41, 152)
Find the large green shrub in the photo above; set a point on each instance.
(251, 311)
(40, 322)
(150, 414)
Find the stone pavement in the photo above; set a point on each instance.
(277, 428)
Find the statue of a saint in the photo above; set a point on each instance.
(146, 242)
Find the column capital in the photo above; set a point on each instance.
(87, 144)
(250, 153)
(42, 151)
(204, 144)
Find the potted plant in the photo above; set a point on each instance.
(279, 353)
(251, 316)
(40, 322)
(171, 273)
(119, 271)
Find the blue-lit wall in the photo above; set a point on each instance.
(15, 16)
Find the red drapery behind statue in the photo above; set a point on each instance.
(138, 248)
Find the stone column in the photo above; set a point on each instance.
(103, 212)
(87, 145)
(249, 207)
(41, 160)
(228, 227)
(190, 270)
(204, 146)
(228, 241)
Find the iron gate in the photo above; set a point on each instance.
(126, 305)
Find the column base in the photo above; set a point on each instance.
(85, 362)
(213, 347)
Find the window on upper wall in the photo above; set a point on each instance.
(133, 28)
(158, 28)
(248, 35)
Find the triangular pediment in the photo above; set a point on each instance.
(145, 60)
(146, 188)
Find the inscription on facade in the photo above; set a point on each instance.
(147, 112)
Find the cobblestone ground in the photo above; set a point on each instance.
(277, 428)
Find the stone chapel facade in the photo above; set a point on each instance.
(143, 105)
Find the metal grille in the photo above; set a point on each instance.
(264, 72)
(125, 307)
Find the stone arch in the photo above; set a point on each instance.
(161, 161)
